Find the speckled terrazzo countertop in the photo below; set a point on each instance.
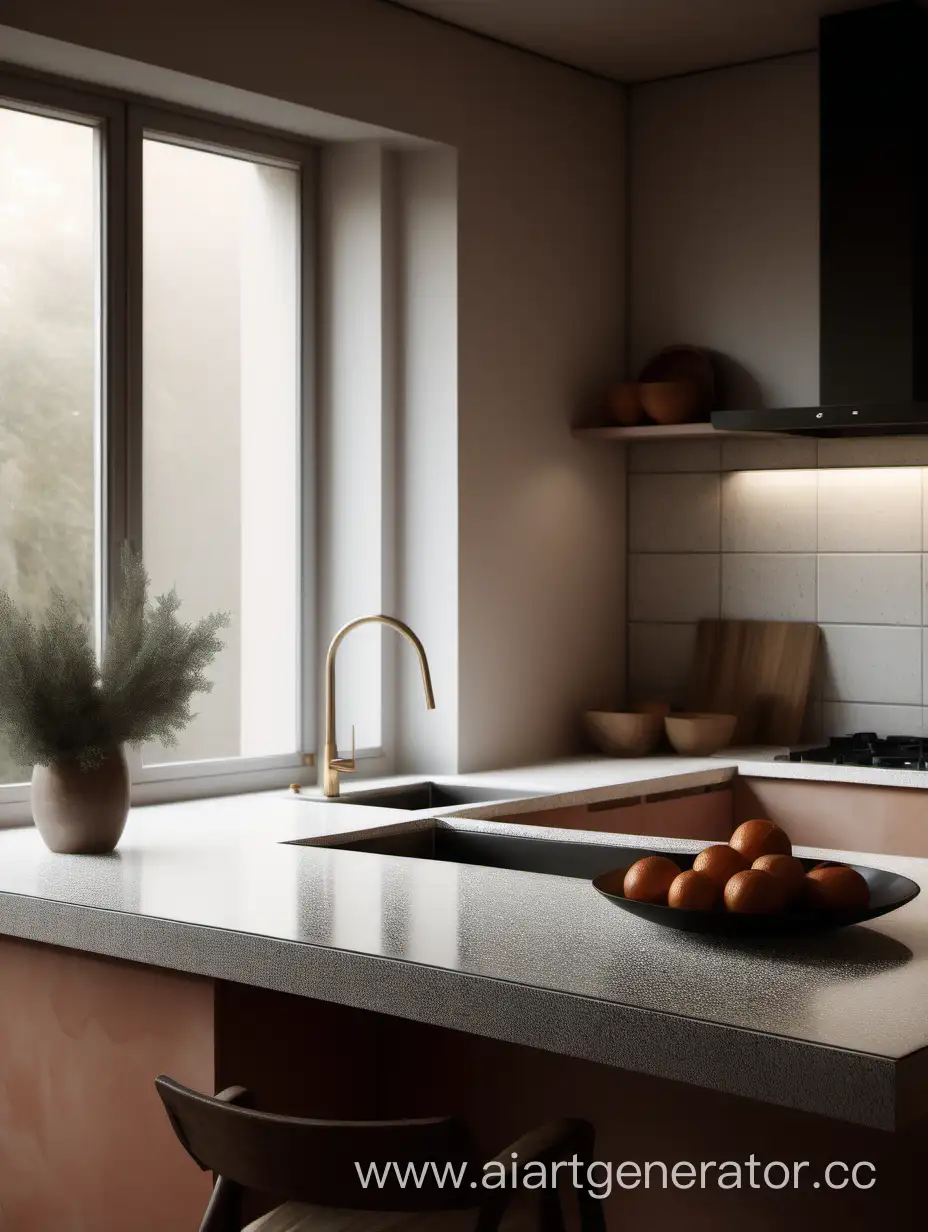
(836, 1025)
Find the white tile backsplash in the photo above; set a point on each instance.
(674, 513)
(841, 544)
(870, 510)
(659, 659)
(871, 589)
(768, 586)
(845, 718)
(673, 586)
(769, 511)
(867, 451)
(767, 453)
(647, 457)
(873, 663)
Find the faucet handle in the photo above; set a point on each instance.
(345, 765)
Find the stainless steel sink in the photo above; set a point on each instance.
(420, 797)
(527, 855)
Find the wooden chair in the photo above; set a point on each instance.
(298, 1161)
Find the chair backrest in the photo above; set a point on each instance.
(292, 1158)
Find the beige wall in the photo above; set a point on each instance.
(724, 223)
(541, 166)
(425, 455)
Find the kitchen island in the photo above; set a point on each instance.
(256, 946)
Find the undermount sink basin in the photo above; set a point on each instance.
(527, 855)
(419, 797)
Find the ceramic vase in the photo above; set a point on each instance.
(81, 812)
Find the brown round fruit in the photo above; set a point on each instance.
(692, 891)
(648, 880)
(760, 838)
(719, 863)
(836, 888)
(753, 892)
(787, 870)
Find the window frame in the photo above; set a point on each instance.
(123, 122)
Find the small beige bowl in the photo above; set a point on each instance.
(698, 735)
(624, 735)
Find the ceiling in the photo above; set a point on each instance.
(638, 40)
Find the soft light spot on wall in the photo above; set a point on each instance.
(553, 509)
(781, 482)
(769, 511)
(868, 475)
(871, 509)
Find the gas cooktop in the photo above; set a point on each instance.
(868, 749)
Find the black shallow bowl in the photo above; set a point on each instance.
(888, 891)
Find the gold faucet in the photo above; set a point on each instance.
(333, 765)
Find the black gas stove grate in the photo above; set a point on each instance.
(869, 749)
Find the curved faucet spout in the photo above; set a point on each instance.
(333, 765)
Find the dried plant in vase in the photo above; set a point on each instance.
(70, 716)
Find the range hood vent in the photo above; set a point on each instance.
(874, 231)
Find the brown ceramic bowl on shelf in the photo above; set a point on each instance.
(700, 735)
(624, 735)
(671, 402)
(684, 363)
(624, 404)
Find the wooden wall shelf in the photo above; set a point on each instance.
(658, 432)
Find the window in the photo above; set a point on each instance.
(49, 362)
(220, 334)
(153, 387)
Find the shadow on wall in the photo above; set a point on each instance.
(738, 387)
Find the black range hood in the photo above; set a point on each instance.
(873, 115)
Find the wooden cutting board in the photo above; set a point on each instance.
(760, 670)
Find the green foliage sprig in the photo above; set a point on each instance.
(57, 702)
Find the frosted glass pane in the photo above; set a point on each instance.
(220, 432)
(48, 362)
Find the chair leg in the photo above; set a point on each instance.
(491, 1211)
(590, 1208)
(592, 1218)
(551, 1214)
(224, 1213)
